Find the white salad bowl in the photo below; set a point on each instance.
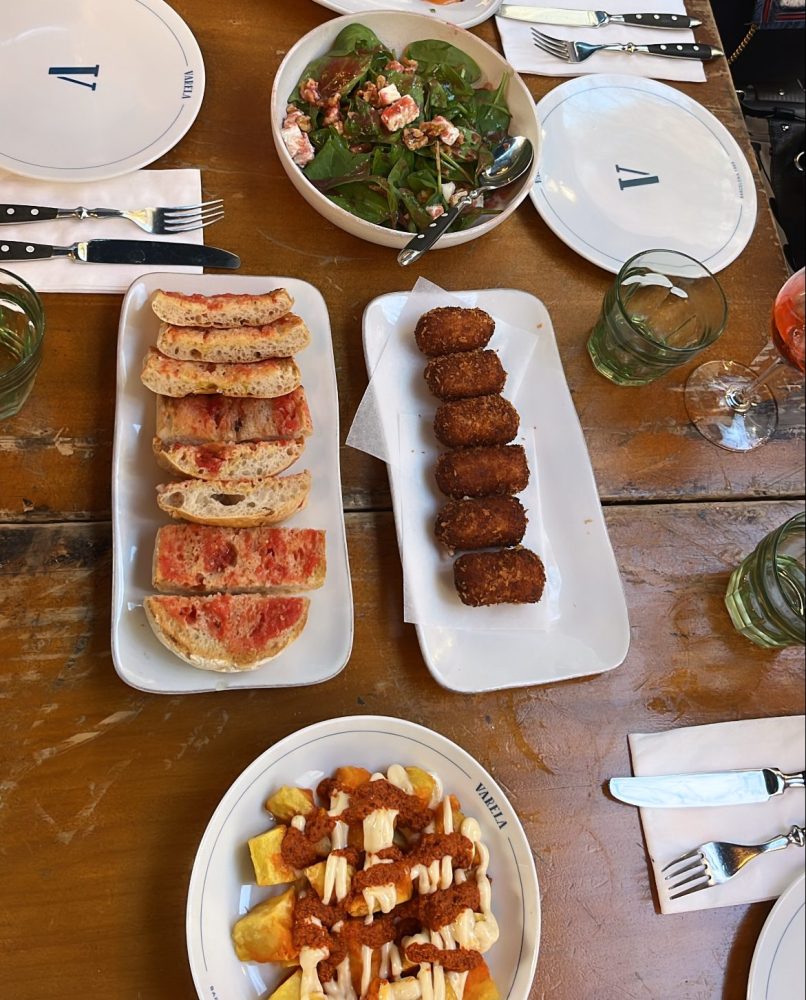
(396, 31)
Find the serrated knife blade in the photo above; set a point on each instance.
(123, 252)
(721, 788)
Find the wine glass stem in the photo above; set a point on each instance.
(740, 397)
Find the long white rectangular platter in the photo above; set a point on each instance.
(592, 633)
(464, 13)
(324, 646)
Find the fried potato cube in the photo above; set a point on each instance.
(480, 985)
(264, 934)
(267, 858)
(357, 907)
(290, 989)
(423, 783)
(350, 778)
(316, 876)
(288, 802)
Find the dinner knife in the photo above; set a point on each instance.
(123, 252)
(594, 18)
(725, 788)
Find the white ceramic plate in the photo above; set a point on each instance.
(221, 885)
(629, 164)
(92, 89)
(324, 646)
(396, 31)
(592, 633)
(778, 971)
(463, 14)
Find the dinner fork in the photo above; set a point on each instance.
(716, 862)
(576, 52)
(177, 219)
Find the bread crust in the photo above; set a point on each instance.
(236, 503)
(225, 310)
(244, 460)
(200, 630)
(264, 379)
(280, 339)
(202, 419)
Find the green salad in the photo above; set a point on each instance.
(395, 141)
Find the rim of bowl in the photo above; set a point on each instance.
(450, 239)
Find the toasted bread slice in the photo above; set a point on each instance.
(264, 379)
(280, 339)
(202, 419)
(205, 558)
(226, 632)
(248, 460)
(221, 310)
(236, 503)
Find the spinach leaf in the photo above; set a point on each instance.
(357, 38)
(366, 203)
(334, 160)
(492, 113)
(432, 53)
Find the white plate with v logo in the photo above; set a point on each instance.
(629, 164)
(93, 89)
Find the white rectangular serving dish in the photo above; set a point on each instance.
(140, 659)
(592, 633)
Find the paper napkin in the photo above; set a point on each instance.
(141, 189)
(394, 422)
(525, 57)
(727, 746)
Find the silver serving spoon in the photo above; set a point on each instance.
(511, 159)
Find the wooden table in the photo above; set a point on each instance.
(105, 791)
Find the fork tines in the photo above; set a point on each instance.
(184, 218)
(700, 879)
(554, 46)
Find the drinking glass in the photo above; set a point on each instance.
(728, 403)
(22, 329)
(663, 309)
(765, 596)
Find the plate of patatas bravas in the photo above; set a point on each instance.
(364, 858)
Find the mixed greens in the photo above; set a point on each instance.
(353, 129)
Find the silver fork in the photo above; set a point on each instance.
(576, 52)
(176, 219)
(717, 862)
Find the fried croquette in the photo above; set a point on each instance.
(482, 472)
(509, 576)
(460, 376)
(449, 329)
(467, 423)
(481, 523)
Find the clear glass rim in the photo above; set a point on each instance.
(796, 523)
(682, 352)
(39, 322)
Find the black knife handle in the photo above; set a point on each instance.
(656, 20)
(9, 250)
(681, 50)
(26, 213)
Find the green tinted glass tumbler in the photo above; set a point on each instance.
(765, 596)
(662, 310)
(22, 329)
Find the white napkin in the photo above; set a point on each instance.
(141, 189)
(394, 422)
(526, 57)
(671, 833)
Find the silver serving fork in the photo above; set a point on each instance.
(577, 52)
(177, 219)
(717, 862)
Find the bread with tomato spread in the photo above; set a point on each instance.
(264, 379)
(280, 339)
(204, 558)
(236, 503)
(226, 632)
(226, 310)
(201, 419)
(247, 460)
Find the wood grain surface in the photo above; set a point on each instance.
(105, 791)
